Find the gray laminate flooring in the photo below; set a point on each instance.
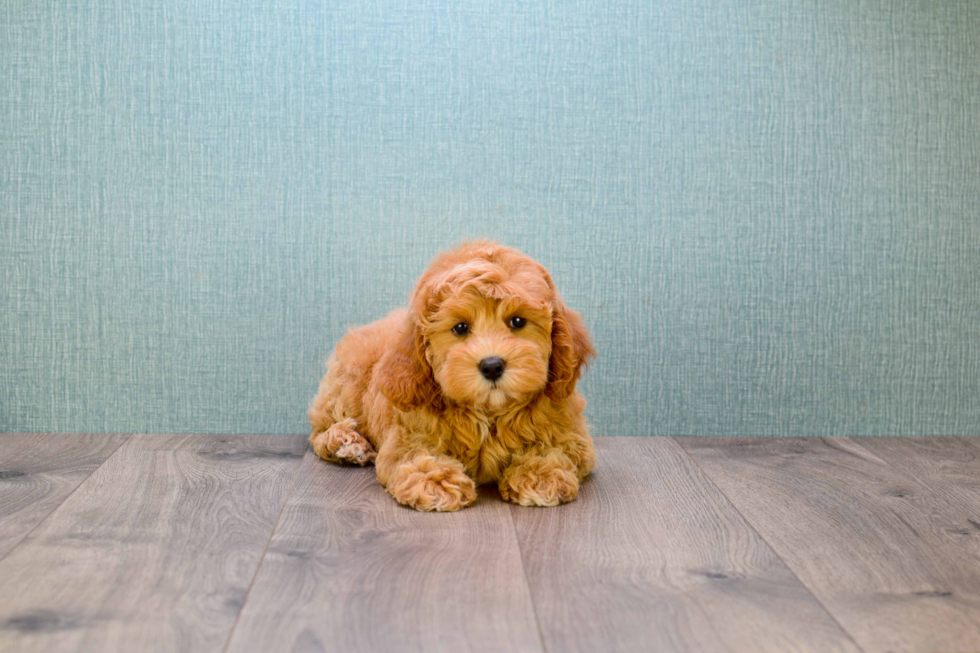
(251, 543)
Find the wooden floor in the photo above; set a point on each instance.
(251, 543)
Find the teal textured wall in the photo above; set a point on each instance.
(769, 212)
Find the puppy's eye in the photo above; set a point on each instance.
(461, 329)
(516, 323)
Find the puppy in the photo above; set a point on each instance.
(474, 383)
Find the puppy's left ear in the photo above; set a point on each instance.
(571, 348)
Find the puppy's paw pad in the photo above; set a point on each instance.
(428, 484)
(539, 485)
(341, 443)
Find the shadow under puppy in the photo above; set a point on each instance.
(474, 383)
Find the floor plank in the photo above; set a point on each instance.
(874, 545)
(38, 471)
(348, 569)
(948, 466)
(155, 551)
(653, 558)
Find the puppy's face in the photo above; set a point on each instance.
(489, 353)
(486, 329)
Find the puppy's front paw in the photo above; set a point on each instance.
(429, 483)
(540, 481)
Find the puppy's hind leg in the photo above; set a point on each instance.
(341, 443)
(334, 436)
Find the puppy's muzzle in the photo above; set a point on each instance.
(492, 368)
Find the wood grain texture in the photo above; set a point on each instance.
(949, 467)
(155, 551)
(38, 471)
(881, 551)
(652, 557)
(350, 570)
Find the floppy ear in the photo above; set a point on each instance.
(570, 350)
(406, 377)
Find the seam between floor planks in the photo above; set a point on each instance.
(527, 581)
(349, 568)
(775, 551)
(177, 518)
(122, 439)
(652, 556)
(864, 536)
(258, 567)
(58, 505)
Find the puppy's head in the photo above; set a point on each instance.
(486, 329)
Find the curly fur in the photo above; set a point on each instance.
(406, 392)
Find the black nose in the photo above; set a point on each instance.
(492, 368)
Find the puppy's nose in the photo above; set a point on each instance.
(492, 368)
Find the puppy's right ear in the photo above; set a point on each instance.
(406, 377)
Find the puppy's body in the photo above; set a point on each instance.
(414, 395)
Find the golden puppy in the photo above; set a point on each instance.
(473, 384)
